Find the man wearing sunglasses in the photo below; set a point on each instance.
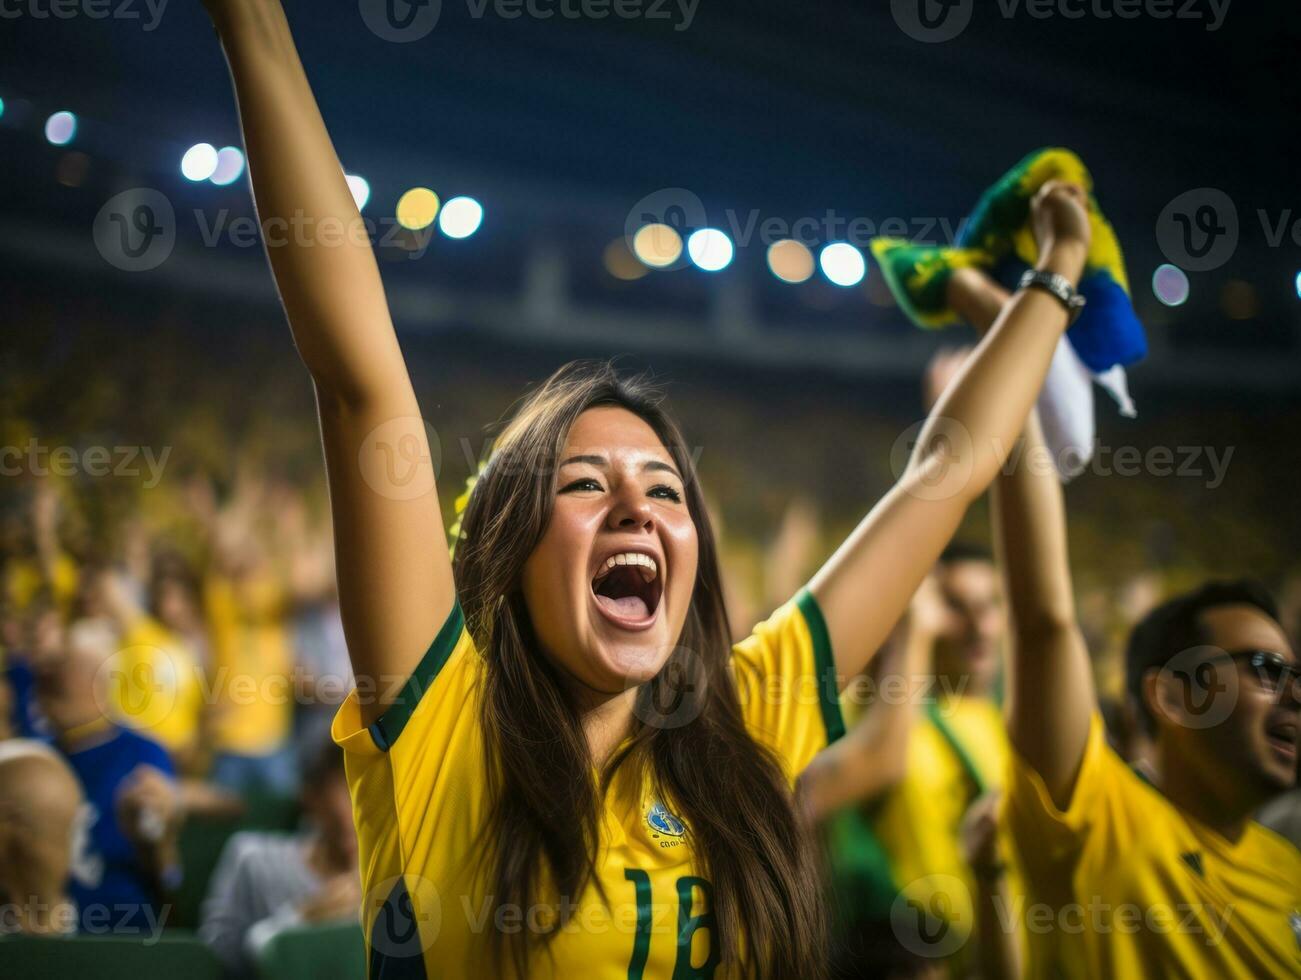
(1130, 876)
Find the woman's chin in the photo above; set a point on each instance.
(627, 663)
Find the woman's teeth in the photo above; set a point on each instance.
(646, 564)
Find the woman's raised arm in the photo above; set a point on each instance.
(866, 585)
(395, 576)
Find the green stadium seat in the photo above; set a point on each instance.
(176, 954)
(335, 952)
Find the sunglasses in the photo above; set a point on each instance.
(1274, 671)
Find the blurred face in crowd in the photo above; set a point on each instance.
(969, 647)
(1240, 722)
(174, 605)
(45, 638)
(68, 681)
(330, 810)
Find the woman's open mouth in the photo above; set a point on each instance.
(627, 589)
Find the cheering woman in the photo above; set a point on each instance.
(559, 765)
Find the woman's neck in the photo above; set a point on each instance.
(607, 720)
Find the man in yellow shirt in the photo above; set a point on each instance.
(1127, 877)
(896, 791)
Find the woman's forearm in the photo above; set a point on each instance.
(982, 412)
(1030, 528)
(319, 248)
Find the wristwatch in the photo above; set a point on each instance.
(1059, 286)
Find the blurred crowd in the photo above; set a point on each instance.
(174, 684)
(188, 674)
(172, 654)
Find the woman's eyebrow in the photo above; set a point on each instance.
(656, 464)
(600, 462)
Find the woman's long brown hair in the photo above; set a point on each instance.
(743, 827)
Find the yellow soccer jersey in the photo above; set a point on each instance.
(155, 687)
(417, 778)
(252, 660)
(1124, 884)
(955, 752)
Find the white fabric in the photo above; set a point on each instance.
(1066, 409)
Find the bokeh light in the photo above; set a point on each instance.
(621, 263)
(230, 166)
(1298, 285)
(710, 249)
(61, 127)
(460, 217)
(417, 208)
(843, 264)
(657, 245)
(1170, 284)
(2, 108)
(199, 162)
(360, 188)
(790, 261)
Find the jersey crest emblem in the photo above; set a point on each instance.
(662, 822)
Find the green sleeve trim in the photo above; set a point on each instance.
(386, 729)
(824, 665)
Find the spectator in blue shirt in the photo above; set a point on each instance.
(129, 861)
